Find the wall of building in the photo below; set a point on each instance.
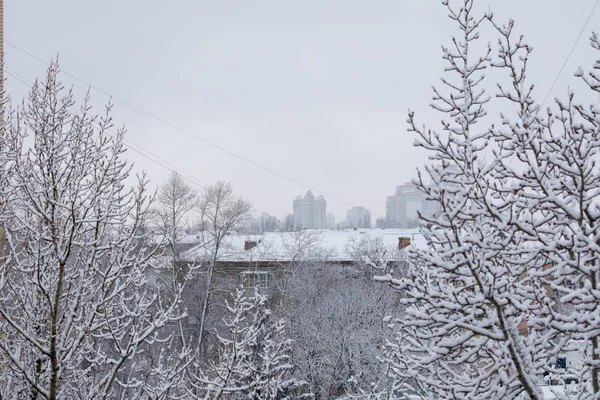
(310, 212)
(403, 207)
(358, 217)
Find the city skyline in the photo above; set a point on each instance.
(407, 201)
(320, 97)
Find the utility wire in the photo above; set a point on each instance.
(128, 143)
(570, 53)
(563, 66)
(131, 145)
(196, 137)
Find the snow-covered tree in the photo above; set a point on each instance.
(549, 164)
(368, 253)
(299, 248)
(336, 321)
(176, 200)
(76, 312)
(221, 211)
(509, 278)
(253, 359)
(478, 279)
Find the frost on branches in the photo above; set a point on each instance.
(253, 355)
(75, 311)
(509, 281)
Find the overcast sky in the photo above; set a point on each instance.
(317, 91)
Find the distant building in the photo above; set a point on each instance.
(391, 212)
(310, 212)
(402, 208)
(358, 217)
(288, 223)
(330, 221)
(259, 224)
(268, 223)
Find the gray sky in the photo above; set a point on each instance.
(315, 90)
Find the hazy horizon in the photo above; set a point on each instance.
(317, 92)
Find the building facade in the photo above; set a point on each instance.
(402, 209)
(330, 221)
(358, 217)
(310, 212)
(391, 212)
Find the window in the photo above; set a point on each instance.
(256, 279)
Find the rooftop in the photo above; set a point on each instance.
(284, 246)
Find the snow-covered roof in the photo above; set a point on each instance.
(283, 246)
(558, 392)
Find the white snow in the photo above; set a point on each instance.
(282, 246)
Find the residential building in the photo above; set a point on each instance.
(259, 224)
(260, 261)
(268, 223)
(358, 217)
(310, 212)
(403, 207)
(391, 212)
(330, 221)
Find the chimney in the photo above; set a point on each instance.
(403, 242)
(248, 244)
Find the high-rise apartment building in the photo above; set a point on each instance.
(403, 207)
(330, 221)
(310, 212)
(358, 217)
(391, 211)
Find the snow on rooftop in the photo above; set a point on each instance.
(282, 246)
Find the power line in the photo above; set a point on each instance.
(128, 143)
(563, 66)
(196, 137)
(570, 52)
